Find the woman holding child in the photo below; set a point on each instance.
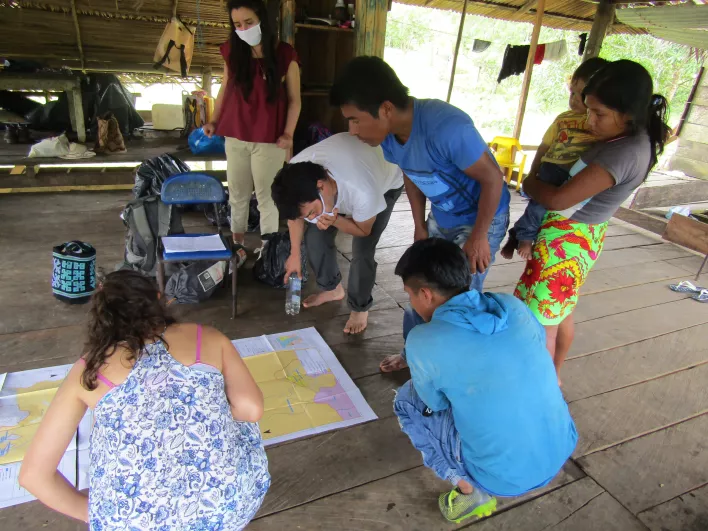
(628, 121)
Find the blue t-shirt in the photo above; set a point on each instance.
(484, 356)
(443, 143)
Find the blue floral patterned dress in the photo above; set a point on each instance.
(166, 453)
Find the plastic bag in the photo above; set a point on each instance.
(270, 266)
(681, 210)
(254, 216)
(195, 282)
(153, 172)
(200, 144)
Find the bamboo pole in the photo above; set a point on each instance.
(604, 16)
(457, 51)
(79, 44)
(529, 68)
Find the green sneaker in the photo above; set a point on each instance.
(456, 507)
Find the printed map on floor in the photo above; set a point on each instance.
(306, 389)
(24, 399)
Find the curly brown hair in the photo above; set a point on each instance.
(126, 310)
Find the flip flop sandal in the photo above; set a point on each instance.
(702, 296)
(685, 287)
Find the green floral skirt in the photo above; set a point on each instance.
(563, 255)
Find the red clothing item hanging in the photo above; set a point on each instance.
(540, 53)
(256, 119)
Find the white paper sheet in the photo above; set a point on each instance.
(318, 359)
(176, 244)
(10, 491)
(252, 346)
(83, 467)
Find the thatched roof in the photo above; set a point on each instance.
(116, 35)
(121, 35)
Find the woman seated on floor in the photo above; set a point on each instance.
(175, 444)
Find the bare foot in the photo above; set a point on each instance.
(509, 247)
(526, 249)
(337, 294)
(393, 363)
(357, 322)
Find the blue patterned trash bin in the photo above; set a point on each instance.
(74, 274)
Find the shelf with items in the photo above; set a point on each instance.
(318, 27)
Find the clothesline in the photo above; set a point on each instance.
(467, 38)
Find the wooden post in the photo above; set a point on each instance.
(287, 22)
(457, 51)
(79, 45)
(604, 16)
(529, 68)
(207, 80)
(371, 27)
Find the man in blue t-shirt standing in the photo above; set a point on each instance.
(443, 158)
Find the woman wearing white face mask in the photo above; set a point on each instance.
(256, 110)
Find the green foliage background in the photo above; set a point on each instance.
(420, 43)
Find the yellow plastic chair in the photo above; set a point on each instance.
(505, 150)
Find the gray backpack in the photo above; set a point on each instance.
(147, 220)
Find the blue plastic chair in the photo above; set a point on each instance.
(194, 188)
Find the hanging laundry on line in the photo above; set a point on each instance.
(479, 46)
(514, 62)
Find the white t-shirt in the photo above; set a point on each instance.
(362, 174)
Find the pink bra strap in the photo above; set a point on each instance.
(199, 343)
(102, 378)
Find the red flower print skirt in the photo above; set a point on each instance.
(563, 255)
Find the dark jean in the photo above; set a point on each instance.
(526, 228)
(322, 253)
(459, 235)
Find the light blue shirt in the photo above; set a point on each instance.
(484, 356)
(443, 143)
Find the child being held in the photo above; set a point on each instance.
(175, 444)
(565, 141)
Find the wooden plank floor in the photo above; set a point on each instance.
(636, 381)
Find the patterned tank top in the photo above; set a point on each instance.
(166, 453)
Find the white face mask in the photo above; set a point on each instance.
(251, 36)
(324, 212)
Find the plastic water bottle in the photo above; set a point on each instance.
(292, 298)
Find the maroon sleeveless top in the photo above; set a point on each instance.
(256, 119)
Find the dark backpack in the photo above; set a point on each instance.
(147, 220)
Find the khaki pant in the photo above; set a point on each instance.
(252, 165)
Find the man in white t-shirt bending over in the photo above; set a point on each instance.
(338, 184)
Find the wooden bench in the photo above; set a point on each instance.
(688, 233)
(71, 84)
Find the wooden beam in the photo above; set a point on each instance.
(457, 51)
(79, 45)
(689, 102)
(529, 68)
(525, 8)
(287, 22)
(688, 233)
(604, 16)
(206, 80)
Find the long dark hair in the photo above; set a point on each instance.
(242, 65)
(627, 87)
(127, 311)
